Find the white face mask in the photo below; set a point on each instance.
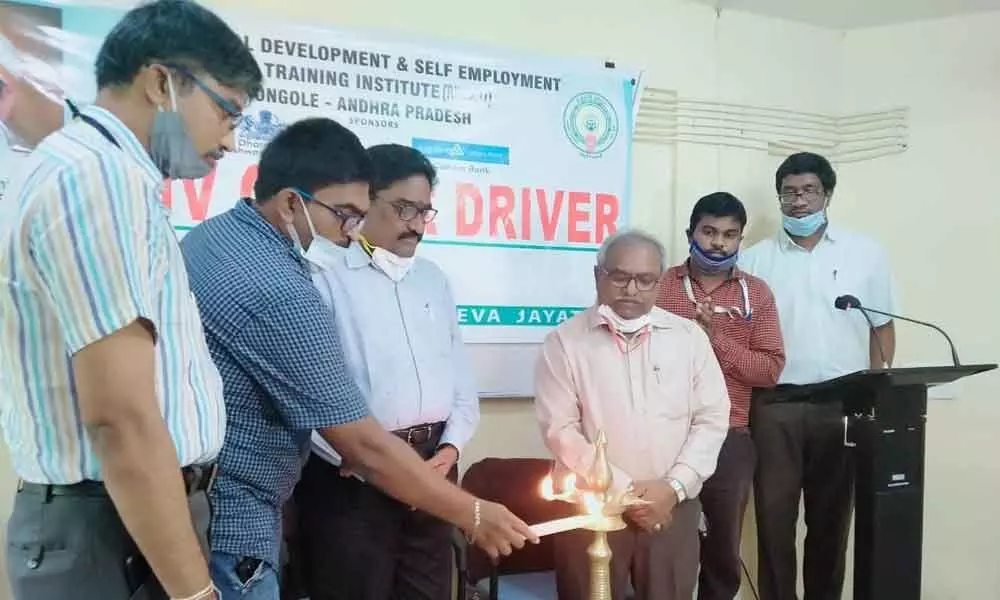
(395, 267)
(620, 324)
(322, 254)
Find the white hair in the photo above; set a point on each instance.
(628, 237)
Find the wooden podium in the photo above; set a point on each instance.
(885, 416)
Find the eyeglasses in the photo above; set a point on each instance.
(407, 211)
(349, 221)
(644, 282)
(810, 195)
(233, 113)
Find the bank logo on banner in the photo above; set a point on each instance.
(591, 123)
(256, 131)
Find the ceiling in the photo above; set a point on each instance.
(855, 14)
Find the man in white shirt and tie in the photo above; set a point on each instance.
(397, 321)
(798, 431)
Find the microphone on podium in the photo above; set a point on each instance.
(848, 302)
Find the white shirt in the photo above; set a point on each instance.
(403, 346)
(821, 341)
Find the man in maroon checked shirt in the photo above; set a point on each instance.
(738, 313)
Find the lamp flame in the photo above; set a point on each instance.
(566, 494)
(592, 505)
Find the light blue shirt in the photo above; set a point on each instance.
(823, 342)
(403, 345)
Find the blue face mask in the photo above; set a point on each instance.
(712, 264)
(804, 226)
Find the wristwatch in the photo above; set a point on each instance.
(678, 488)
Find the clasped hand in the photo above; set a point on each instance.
(704, 311)
(662, 500)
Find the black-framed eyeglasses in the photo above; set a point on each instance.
(808, 194)
(349, 221)
(644, 282)
(233, 113)
(407, 211)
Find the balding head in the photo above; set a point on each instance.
(629, 266)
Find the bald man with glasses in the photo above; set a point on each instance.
(650, 381)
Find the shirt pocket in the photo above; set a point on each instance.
(668, 393)
(841, 280)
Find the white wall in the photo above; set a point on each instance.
(936, 209)
(743, 58)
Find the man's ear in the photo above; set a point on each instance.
(287, 203)
(153, 81)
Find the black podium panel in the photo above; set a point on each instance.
(886, 415)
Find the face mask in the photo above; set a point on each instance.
(322, 254)
(621, 325)
(395, 267)
(804, 226)
(712, 264)
(170, 146)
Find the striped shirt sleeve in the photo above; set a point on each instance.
(90, 239)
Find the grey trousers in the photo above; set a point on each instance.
(62, 547)
(660, 565)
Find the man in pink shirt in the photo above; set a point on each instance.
(651, 382)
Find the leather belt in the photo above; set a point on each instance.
(420, 434)
(197, 478)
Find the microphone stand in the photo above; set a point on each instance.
(951, 345)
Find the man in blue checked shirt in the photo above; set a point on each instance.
(397, 322)
(276, 345)
(112, 407)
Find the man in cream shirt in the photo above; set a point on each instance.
(650, 380)
(397, 321)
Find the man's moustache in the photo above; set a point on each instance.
(412, 234)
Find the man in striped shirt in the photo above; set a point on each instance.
(738, 313)
(112, 407)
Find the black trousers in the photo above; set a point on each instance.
(62, 547)
(356, 543)
(801, 453)
(724, 500)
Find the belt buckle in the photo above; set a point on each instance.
(411, 434)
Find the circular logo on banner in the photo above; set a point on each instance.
(590, 123)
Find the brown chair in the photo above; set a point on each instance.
(528, 573)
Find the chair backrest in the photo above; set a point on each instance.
(514, 482)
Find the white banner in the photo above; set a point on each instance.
(533, 155)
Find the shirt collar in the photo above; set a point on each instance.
(658, 318)
(684, 269)
(357, 258)
(247, 213)
(831, 234)
(126, 139)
